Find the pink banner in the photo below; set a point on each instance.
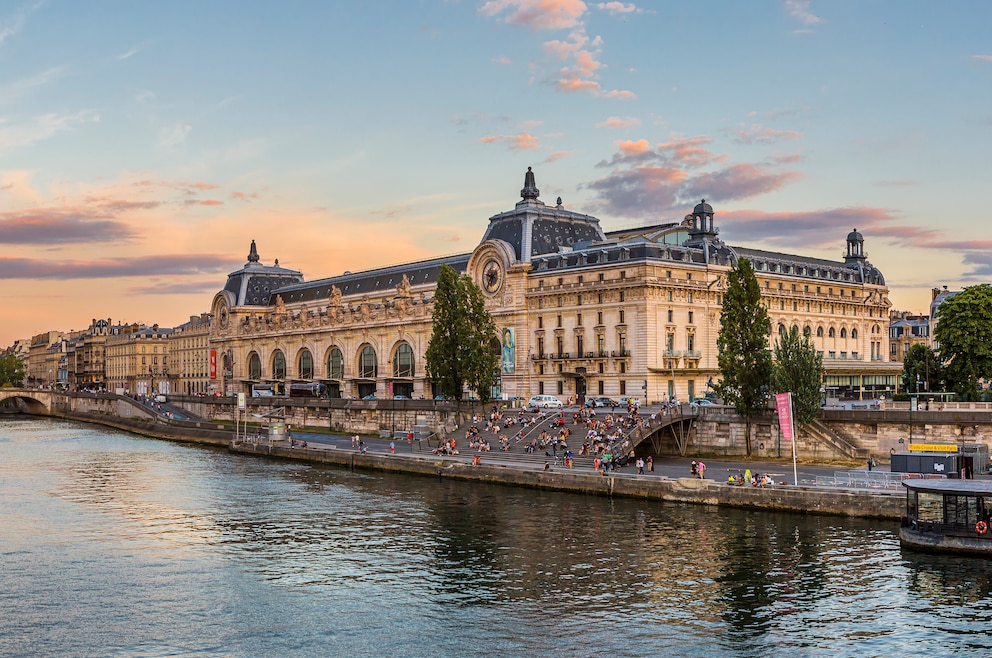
(784, 407)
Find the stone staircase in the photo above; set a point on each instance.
(835, 442)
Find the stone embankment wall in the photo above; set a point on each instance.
(885, 505)
(346, 416)
(720, 433)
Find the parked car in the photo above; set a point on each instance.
(701, 402)
(545, 402)
(370, 396)
(601, 402)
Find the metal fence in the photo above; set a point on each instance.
(870, 479)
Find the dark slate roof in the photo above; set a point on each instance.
(941, 486)
(370, 281)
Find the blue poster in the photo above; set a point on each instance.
(509, 351)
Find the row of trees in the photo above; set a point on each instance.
(963, 359)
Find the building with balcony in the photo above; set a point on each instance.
(906, 330)
(137, 360)
(189, 354)
(626, 313)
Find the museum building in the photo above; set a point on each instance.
(580, 311)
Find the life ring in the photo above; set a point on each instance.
(981, 527)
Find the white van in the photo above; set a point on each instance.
(545, 402)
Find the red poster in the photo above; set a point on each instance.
(213, 364)
(783, 403)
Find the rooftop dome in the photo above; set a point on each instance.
(702, 207)
(854, 236)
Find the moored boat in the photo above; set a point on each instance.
(949, 516)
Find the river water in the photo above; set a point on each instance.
(116, 545)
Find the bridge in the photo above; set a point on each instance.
(26, 401)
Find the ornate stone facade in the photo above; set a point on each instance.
(631, 313)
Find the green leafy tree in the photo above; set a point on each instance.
(744, 359)
(11, 371)
(798, 370)
(463, 349)
(964, 338)
(922, 369)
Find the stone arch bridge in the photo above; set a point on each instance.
(26, 401)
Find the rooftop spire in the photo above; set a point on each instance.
(253, 253)
(530, 190)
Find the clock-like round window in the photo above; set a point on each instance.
(492, 276)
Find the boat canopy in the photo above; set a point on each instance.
(954, 487)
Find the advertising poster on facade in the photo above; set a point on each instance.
(509, 350)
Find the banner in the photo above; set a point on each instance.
(509, 350)
(784, 407)
(213, 364)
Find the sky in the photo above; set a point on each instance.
(143, 145)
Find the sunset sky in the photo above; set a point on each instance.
(143, 145)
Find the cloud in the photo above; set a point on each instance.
(649, 180)
(619, 8)
(203, 202)
(244, 196)
(984, 58)
(806, 228)
(42, 127)
(142, 266)
(44, 226)
(537, 14)
(520, 142)
(756, 134)
(503, 59)
(174, 135)
(799, 9)
(178, 288)
(557, 155)
(14, 25)
(620, 93)
(617, 122)
(14, 90)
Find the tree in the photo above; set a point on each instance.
(11, 371)
(798, 369)
(744, 360)
(921, 367)
(461, 349)
(964, 338)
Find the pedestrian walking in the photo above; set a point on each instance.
(693, 468)
(640, 466)
(392, 448)
(650, 464)
(702, 470)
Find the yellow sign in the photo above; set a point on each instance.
(932, 447)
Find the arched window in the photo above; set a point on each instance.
(368, 365)
(781, 330)
(854, 334)
(795, 327)
(403, 361)
(305, 365)
(254, 366)
(843, 332)
(807, 332)
(279, 365)
(335, 364)
(831, 333)
(819, 332)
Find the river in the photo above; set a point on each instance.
(117, 545)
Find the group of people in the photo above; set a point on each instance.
(747, 478)
(697, 469)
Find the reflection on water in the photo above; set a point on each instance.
(117, 545)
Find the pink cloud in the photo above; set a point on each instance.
(756, 134)
(689, 152)
(806, 228)
(143, 266)
(537, 14)
(557, 155)
(577, 85)
(629, 148)
(618, 7)
(203, 202)
(44, 226)
(243, 196)
(620, 93)
(984, 58)
(520, 142)
(502, 59)
(617, 122)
